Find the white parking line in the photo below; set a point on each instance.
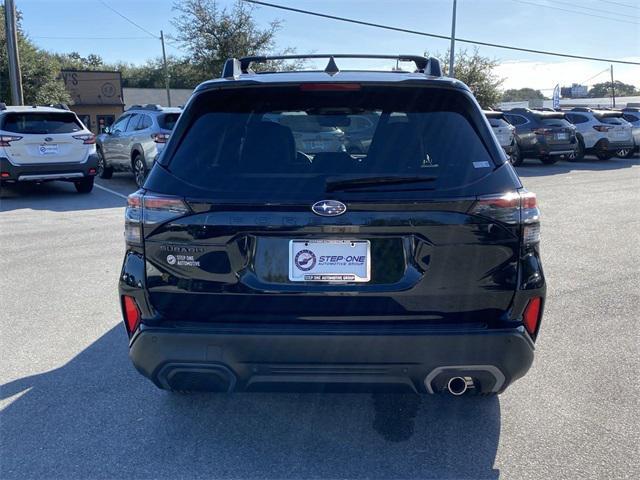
(110, 191)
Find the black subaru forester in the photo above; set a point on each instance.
(263, 254)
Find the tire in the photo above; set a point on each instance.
(140, 170)
(603, 155)
(548, 160)
(103, 171)
(85, 185)
(516, 156)
(625, 153)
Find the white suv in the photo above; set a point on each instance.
(602, 132)
(40, 144)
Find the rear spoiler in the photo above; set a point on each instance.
(493, 114)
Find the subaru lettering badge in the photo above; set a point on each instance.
(329, 208)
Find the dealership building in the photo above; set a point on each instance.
(98, 98)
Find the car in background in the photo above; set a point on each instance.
(359, 132)
(252, 265)
(505, 133)
(547, 136)
(309, 136)
(632, 115)
(601, 132)
(41, 144)
(135, 139)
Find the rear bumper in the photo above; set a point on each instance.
(299, 358)
(542, 149)
(42, 172)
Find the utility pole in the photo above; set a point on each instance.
(166, 70)
(452, 49)
(613, 89)
(15, 77)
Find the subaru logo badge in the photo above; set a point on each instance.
(329, 208)
(48, 139)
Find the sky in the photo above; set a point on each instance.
(596, 28)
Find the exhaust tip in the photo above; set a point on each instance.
(458, 385)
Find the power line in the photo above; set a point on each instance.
(590, 8)
(620, 4)
(434, 35)
(596, 75)
(93, 38)
(574, 11)
(128, 19)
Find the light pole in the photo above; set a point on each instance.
(15, 77)
(166, 70)
(453, 41)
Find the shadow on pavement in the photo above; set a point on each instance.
(534, 168)
(95, 417)
(54, 196)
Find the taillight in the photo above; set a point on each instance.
(5, 140)
(512, 208)
(147, 209)
(131, 313)
(602, 128)
(160, 137)
(542, 131)
(531, 316)
(87, 138)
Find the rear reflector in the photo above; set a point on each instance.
(330, 87)
(131, 313)
(531, 315)
(5, 175)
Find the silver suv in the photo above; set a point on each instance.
(632, 115)
(601, 132)
(134, 141)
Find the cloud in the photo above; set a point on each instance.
(545, 75)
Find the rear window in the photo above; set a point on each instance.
(282, 139)
(41, 123)
(631, 118)
(555, 122)
(611, 120)
(168, 120)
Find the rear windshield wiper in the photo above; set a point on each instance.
(359, 182)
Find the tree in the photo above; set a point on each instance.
(604, 90)
(478, 73)
(522, 95)
(41, 84)
(212, 34)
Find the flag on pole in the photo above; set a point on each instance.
(556, 96)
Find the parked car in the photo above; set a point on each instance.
(506, 135)
(547, 136)
(631, 115)
(308, 135)
(601, 132)
(135, 139)
(41, 144)
(252, 265)
(359, 133)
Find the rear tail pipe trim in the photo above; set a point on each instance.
(460, 377)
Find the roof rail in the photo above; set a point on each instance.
(581, 109)
(233, 67)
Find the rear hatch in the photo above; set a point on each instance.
(618, 129)
(503, 130)
(44, 137)
(558, 132)
(242, 224)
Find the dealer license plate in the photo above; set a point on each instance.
(331, 261)
(49, 149)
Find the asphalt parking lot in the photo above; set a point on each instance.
(73, 406)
